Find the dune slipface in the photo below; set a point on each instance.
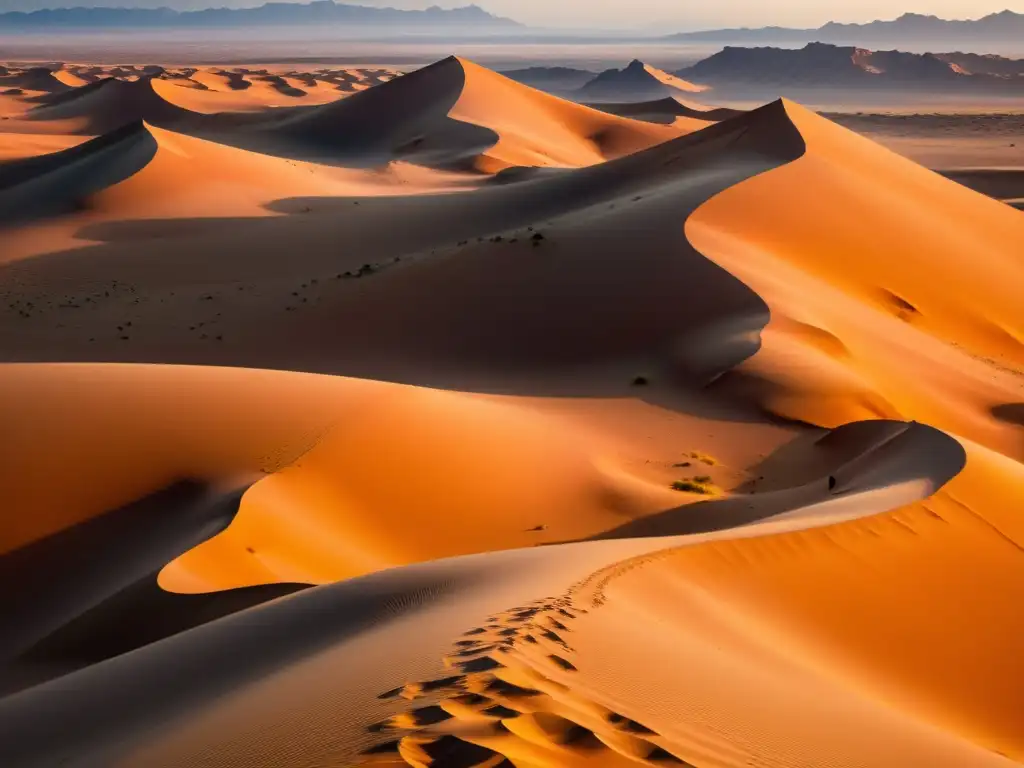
(354, 419)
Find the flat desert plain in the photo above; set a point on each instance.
(351, 418)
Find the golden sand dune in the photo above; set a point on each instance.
(642, 319)
(214, 91)
(457, 112)
(150, 172)
(37, 79)
(671, 444)
(866, 311)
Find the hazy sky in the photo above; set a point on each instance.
(729, 13)
(634, 14)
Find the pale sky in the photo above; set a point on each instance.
(663, 15)
(686, 14)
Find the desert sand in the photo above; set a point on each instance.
(361, 419)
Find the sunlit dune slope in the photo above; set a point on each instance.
(893, 291)
(141, 170)
(69, 79)
(434, 460)
(873, 471)
(513, 657)
(216, 93)
(455, 111)
(913, 609)
(459, 475)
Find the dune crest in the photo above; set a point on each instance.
(457, 112)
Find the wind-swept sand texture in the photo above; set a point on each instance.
(645, 438)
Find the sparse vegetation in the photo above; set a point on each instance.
(703, 458)
(693, 486)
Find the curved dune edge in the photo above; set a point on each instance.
(354, 517)
(865, 313)
(512, 651)
(58, 182)
(607, 182)
(143, 171)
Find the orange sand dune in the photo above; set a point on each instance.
(34, 79)
(707, 449)
(106, 105)
(510, 659)
(484, 248)
(140, 171)
(864, 321)
(457, 111)
(217, 95)
(584, 478)
(69, 79)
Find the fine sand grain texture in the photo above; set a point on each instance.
(351, 418)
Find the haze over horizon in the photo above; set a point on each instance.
(638, 14)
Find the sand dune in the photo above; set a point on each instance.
(106, 105)
(37, 79)
(456, 112)
(879, 333)
(687, 439)
(507, 662)
(58, 182)
(230, 92)
(484, 246)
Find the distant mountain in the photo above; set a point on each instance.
(910, 28)
(822, 65)
(637, 82)
(319, 12)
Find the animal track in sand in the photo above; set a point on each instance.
(508, 705)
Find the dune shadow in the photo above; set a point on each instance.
(482, 292)
(89, 592)
(832, 468)
(1011, 413)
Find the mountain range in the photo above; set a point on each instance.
(910, 28)
(821, 64)
(318, 12)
